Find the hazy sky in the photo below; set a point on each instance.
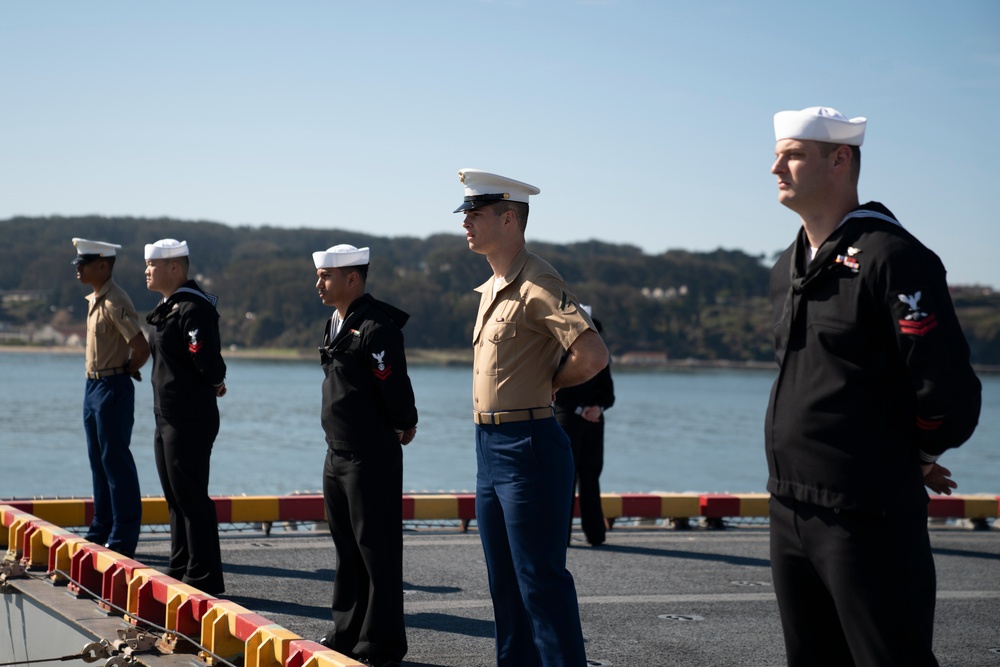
(647, 123)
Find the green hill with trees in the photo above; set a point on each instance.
(685, 305)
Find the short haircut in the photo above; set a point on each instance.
(519, 208)
(826, 147)
(361, 269)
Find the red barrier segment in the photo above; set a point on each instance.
(302, 508)
(719, 505)
(643, 505)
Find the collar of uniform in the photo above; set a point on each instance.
(520, 259)
(105, 288)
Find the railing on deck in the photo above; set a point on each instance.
(35, 535)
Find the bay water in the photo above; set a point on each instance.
(670, 430)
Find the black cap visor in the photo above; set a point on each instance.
(478, 201)
(85, 259)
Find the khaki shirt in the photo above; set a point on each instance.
(111, 323)
(520, 334)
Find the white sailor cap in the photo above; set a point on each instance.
(87, 251)
(166, 249)
(819, 124)
(483, 188)
(339, 256)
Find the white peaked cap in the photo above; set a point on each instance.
(483, 188)
(166, 249)
(99, 248)
(587, 309)
(339, 256)
(819, 124)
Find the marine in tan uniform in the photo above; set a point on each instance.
(116, 350)
(527, 320)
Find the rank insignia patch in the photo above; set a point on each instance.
(194, 345)
(382, 370)
(916, 322)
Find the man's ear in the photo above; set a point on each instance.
(842, 157)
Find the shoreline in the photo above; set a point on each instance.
(439, 357)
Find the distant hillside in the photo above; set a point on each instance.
(706, 306)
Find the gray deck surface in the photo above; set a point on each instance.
(638, 594)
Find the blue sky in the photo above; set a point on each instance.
(647, 123)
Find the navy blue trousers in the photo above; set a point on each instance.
(108, 415)
(854, 589)
(524, 480)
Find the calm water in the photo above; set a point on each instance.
(669, 431)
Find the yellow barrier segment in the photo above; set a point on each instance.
(680, 505)
(981, 506)
(63, 561)
(40, 541)
(15, 536)
(330, 659)
(754, 504)
(611, 505)
(155, 511)
(255, 508)
(177, 594)
(61, 512)
(435, 506)
(218, 631)
(268, 647)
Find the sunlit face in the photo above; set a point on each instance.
(159, 274)
(803, 173)
(331, 285)
(483, 229)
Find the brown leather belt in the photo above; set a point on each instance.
(510, 416)
(106, 373)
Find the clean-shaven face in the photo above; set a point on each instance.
(331, 286)
(482, 229)
(803, 173)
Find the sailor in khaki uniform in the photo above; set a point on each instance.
(116, 350)
(527, 319)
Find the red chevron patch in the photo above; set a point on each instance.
(929, 424)
(383, 374)
(921, 328)
(194, 347)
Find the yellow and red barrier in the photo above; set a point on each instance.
(441, 506)
(145, 596)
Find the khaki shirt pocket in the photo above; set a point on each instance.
(502, 341)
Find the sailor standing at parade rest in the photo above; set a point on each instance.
(527, 318)
(874, 384)
(189, 375)
(368, 411)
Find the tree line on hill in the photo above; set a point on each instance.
(684, 305)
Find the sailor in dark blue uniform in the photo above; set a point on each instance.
(368, 412)
(188, 376)
(874, 384)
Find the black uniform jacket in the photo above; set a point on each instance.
(874, 375)
(598, 390)
(367, 393)
(187, 353)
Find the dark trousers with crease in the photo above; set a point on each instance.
(108, 416)
(525, 474)
(587, 440)
(364, 506)
(183, 449)
(853, 588)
